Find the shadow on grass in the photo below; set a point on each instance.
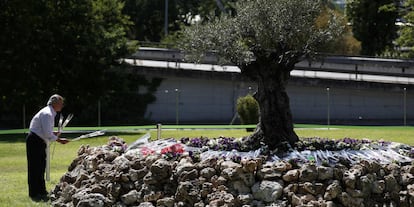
(13, 138)
(21, 137)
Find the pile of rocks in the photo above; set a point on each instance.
(100, 176)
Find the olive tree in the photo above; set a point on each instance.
(265, 39)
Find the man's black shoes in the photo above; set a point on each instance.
(40, 198)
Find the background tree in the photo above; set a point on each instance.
(148, 15)
(346, 44)
(265, 38)
(68, 47)
(406, 31)
(126, 103)
(373, 24)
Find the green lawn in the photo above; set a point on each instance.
(390, 133)
(13, 155)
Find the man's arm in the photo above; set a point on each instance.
(48, 122)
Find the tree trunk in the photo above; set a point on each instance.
(275, 126)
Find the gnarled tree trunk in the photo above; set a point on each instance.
(276, 124)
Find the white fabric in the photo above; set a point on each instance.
(42, 124)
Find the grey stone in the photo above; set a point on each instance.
(91, 200)
(130, 198)
(188, 193)
(268, 172)
(240, 187)
(146, 204)
(267, 191)
(378, 187)
(161, 169)
(333, 191)
(245, 199)
(291, 175)
(308, 173)
(166, 202)
(349, 201)
(184, 167)
(282, 166)
(249, 165)
(407, 178)
(207, 172)
(325, 173)
(248, 179)
(391, 184)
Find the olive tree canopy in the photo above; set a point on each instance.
(265, 39)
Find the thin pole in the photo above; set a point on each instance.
(329, 108)
(48, 161)
(159, 131)
(405, 106)
(176, 105)
(24, 116)
(99, 112)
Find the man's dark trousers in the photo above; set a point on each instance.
(36, 164)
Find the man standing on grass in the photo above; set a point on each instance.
(41, 133)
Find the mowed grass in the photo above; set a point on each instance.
(402, 134)
(13, 169)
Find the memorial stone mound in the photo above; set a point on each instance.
(217, 172)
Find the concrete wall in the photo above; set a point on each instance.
(350, 105)
(362, 90)
(212, 100)
(199, 101)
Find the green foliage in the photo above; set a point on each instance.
(63, 47)
(406, 38)
(285, 27)
(345, 44)
(148, 16)
(373, 24)
(248, 110)
(127, 102)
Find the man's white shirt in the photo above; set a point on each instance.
(42, 124)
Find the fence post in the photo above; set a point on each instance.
(159, 131)
(329, 110)
(24, 116)
(177, 101)
(405, 106)
(99, 112)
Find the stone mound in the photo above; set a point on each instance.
(105, 176)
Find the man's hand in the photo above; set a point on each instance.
(62, 140)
